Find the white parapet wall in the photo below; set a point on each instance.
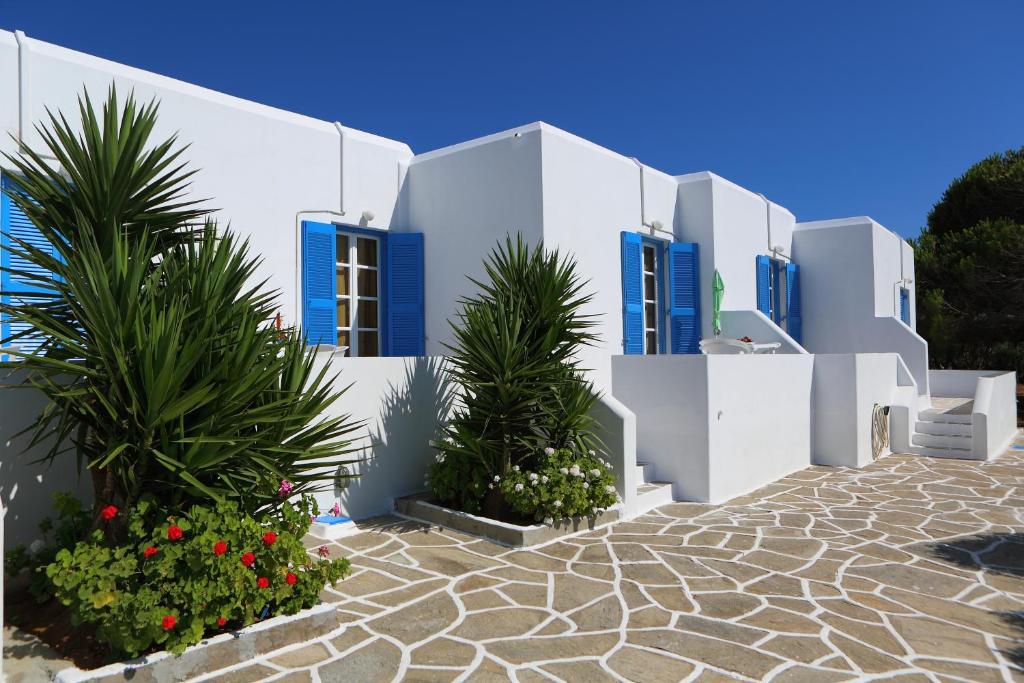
(616, 427)
(994, 416)
(846, 389)
(401, 402)
(718, 426)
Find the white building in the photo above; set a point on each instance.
(371, 245)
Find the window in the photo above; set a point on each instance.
(652, 297)
(905, 305)
(778, 294)
(358, 293)
(362, 290)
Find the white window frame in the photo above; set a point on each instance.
(658, 290)
(354, 297)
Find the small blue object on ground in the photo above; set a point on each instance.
(1018, 447)
(331, 519)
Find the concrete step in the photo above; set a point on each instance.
(943, 428)
(958, 453)
(932, 415)
(644, 473)
(652, 495)
(942, 441)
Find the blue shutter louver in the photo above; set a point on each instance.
(763, 286)
(905, 305)
(795, 324)
(632, 294)
(405, 333)
(18, 288)
(684, 297)
(319, 283)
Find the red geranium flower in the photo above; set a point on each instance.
(174, 532)
(150, 551)
(263, 582)
(108, 513)
(290, 579)
(219, 548)
(269, 538)
(248, 559)
(169, 622)
(221, 621)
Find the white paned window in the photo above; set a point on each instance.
(652, 320)
(358, 271)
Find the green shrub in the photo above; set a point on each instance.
(174, 580)
(516, 360)
(561, 484)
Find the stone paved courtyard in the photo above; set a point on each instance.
(909, 569)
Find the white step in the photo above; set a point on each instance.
(644, 473)
(942, 441)
(943, 428)
(932, 415)
(958, 453)
(650, 496)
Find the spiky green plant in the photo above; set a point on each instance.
(515, 358)
(161, 362)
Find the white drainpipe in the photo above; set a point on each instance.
(24, 115)
(655, 226)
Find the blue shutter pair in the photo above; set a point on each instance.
(905, 305)
(683, 290)
(14, 223)
(790, 292)
(402, 319)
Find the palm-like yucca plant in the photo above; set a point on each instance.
(515, 358)
(161, 361)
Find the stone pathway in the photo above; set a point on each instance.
(909, 569)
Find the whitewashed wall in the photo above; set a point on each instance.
(260, 165)
(731, 224)
(846, 389)
(591, 195)
(464, 199)
(848, 270)
(719, 426)
(401, 402)
(26, 486)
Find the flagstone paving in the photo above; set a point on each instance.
(910, 569)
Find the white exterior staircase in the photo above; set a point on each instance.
(944, 431)
(650, 494)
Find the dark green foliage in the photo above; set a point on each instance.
(161, 361)
(991, 189)
(515, 360)
(560, 483)
(127, 595)
(969, 265)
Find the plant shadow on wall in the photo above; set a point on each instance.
(520, 443)
(409, 417)
(999, 554)
(198, 420)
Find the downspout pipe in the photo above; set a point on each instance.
(341, 166)
(24, 117)
(776, 253)
(654, 226)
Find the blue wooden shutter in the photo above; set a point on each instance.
(905, 305)
(319, 283)
(403, 272)
(795, 324)
(684, 297)
(632, 294)
(763, 286)
(18, 288)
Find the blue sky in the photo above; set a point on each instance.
(830, 108)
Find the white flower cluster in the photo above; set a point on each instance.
(549, 451)
(439, 457)
(519, 487)
(515, 468)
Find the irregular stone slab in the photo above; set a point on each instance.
(720, 629)
(914, 579)
(375, 662)
(353, 635)
(304, 656)
(534, 649)
(444, 652)
(449, 561)
(417, 675)
(586, 670)
(641, 665)
(400, 596)
(781, 621)
(501, 623)
(726, 605)
(869, 660)
(727, 656)
(526, 594)
(603, 615)
(417, 621)
(931, 637)
(571, 592)
(798, 648)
